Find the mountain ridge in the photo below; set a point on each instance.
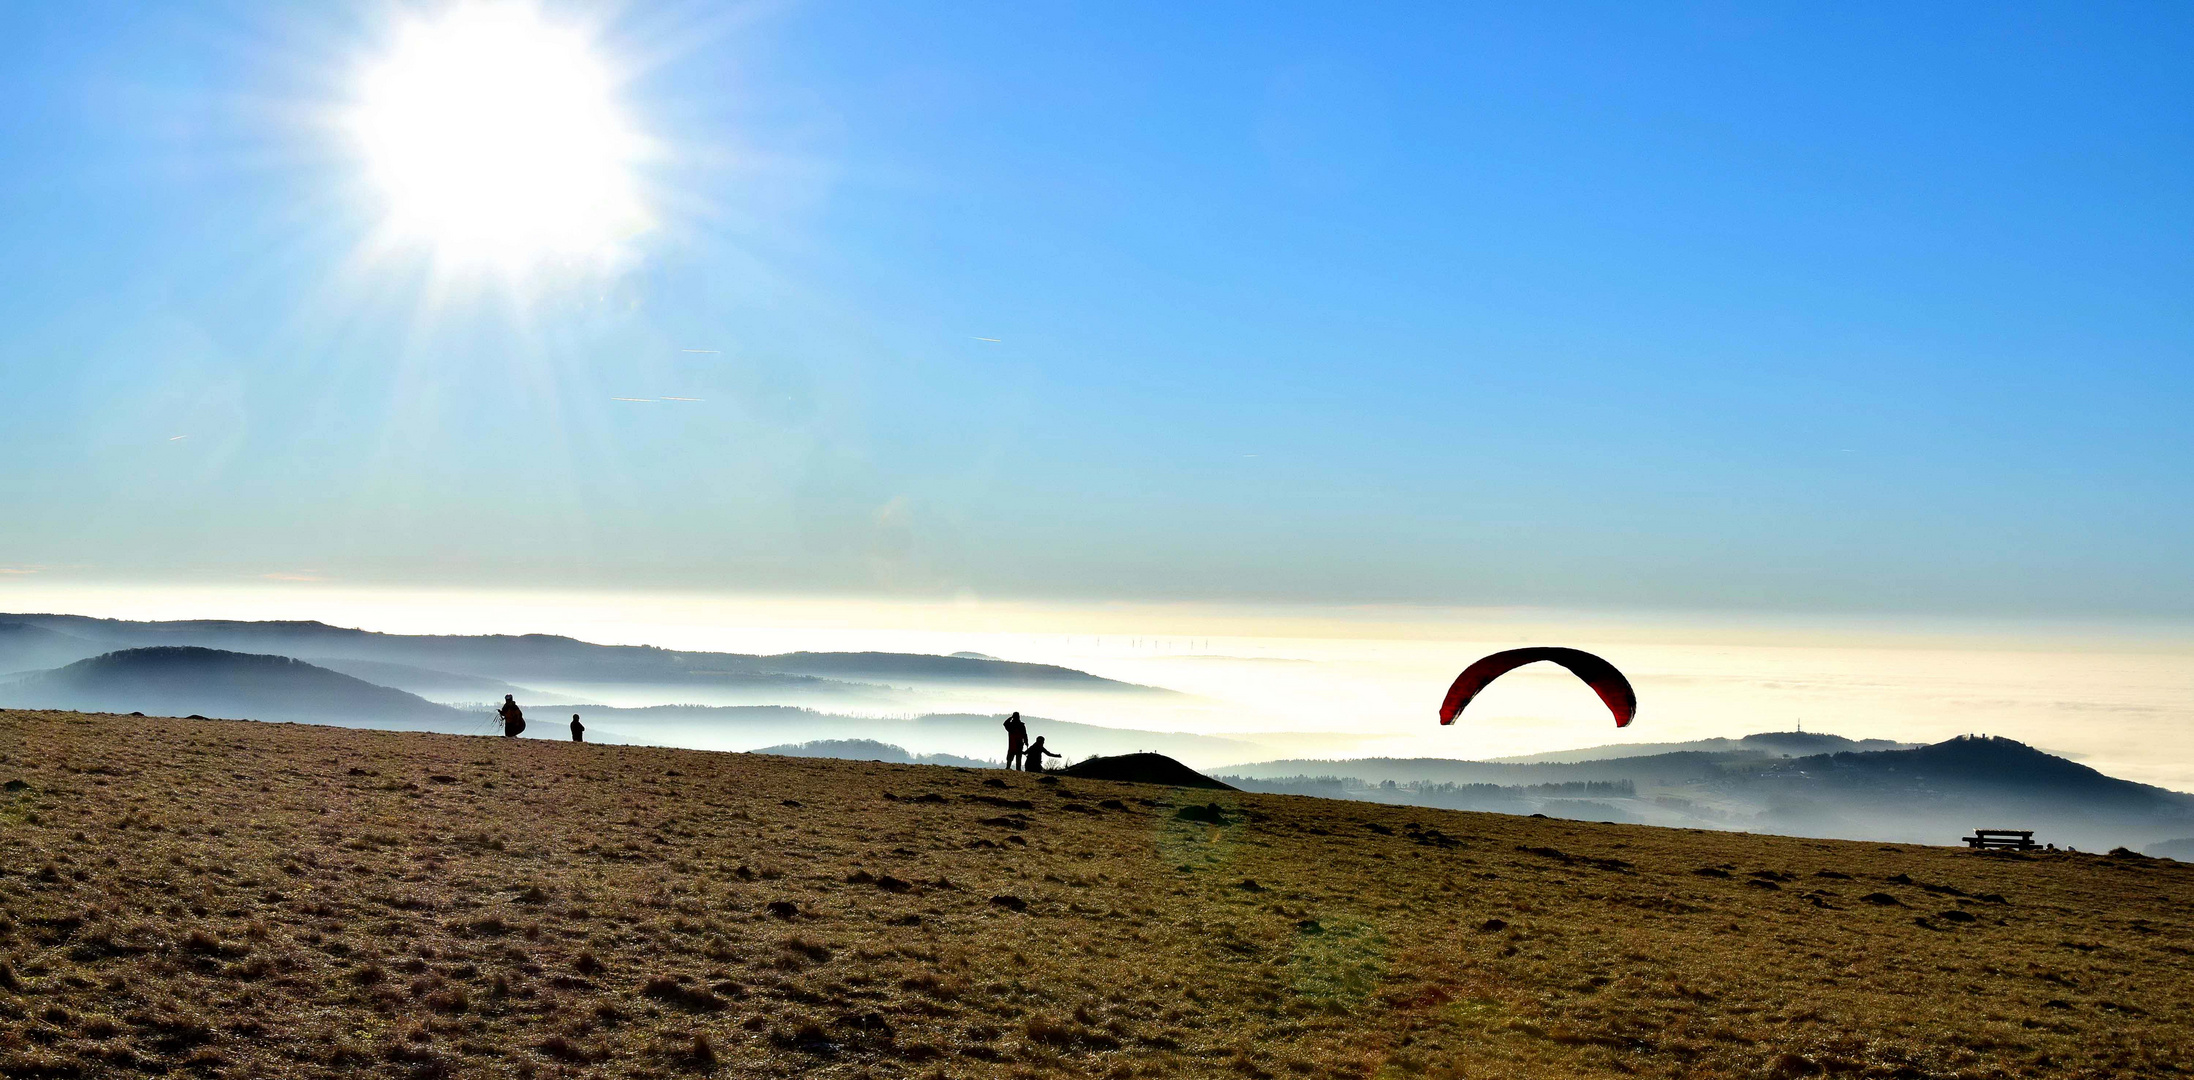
(554, 658)
(1769, 743)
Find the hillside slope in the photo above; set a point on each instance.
(182, 680)
(281, 900)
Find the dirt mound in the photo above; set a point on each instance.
(1143, 769)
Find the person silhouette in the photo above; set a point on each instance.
(578, 730)
(514, 720)
(1033, 757)
(1016, 738)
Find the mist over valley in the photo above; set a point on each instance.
(832, 704)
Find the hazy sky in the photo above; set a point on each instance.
(1816, 309)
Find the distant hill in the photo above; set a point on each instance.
(545, 658)
(871, 750)
(1677, 767)
(26, 647)
(183, 680)
(1662, 763)
(2181, 849)
(1764, 744)
(923, 667)
(442, 686)
(1967, 782)
(1978, 764)
(1927, 794)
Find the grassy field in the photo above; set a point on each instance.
(241, 899)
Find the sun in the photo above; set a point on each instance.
(494, 136)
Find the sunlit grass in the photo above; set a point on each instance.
(230, 898)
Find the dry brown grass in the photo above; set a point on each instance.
(245, 899)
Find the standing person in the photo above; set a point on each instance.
(1035, 754)
(578, 730)
(1016, 738)
(514, 720)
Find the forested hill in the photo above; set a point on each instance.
(178, 680)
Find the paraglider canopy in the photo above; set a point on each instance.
(1602, 676)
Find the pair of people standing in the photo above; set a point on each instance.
(1021, 753)
(514, 721)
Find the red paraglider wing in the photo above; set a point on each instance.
(1597, 673)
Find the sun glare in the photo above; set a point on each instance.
(494, 136)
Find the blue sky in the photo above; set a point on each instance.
(1854, 308)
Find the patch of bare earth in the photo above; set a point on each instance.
(238, 899)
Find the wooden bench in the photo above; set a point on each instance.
(2015, 839)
